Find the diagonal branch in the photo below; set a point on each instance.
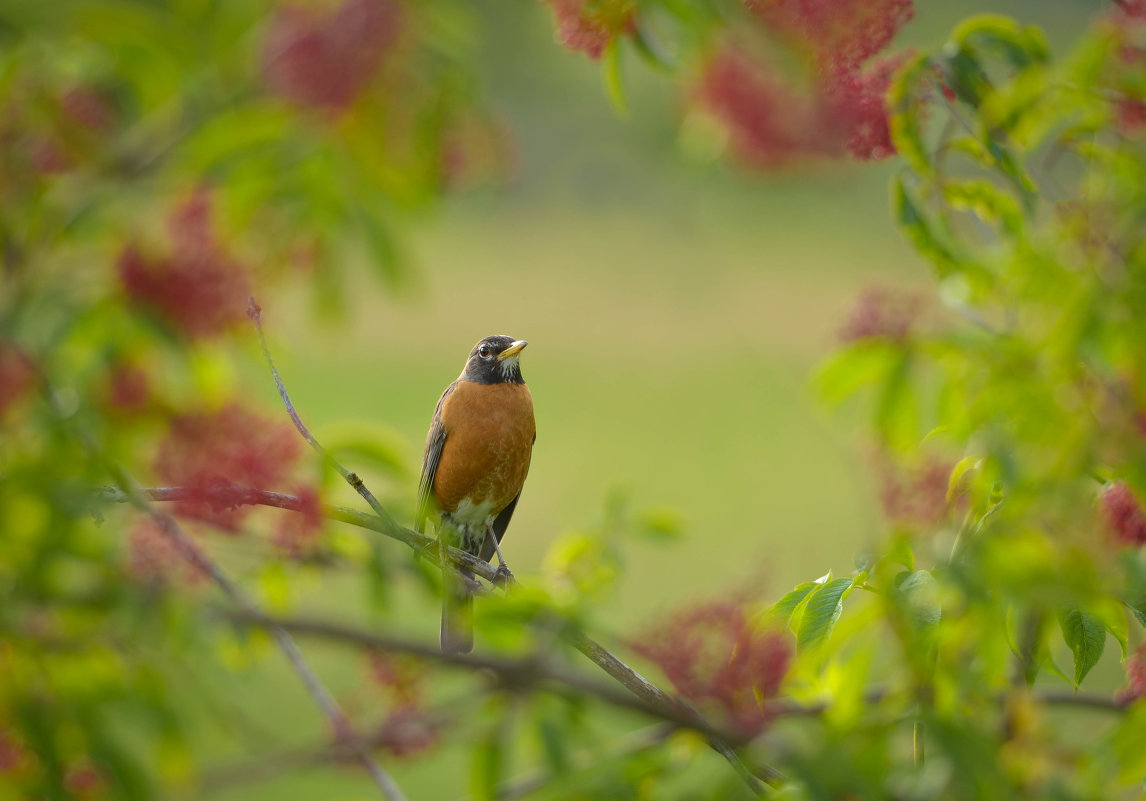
(597, 653)
(190, 551)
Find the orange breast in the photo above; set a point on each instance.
(489, 439)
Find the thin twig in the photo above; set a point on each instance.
(254, 311)
(607, 661)
(512, 673)
(190, 551)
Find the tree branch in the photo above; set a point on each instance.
(608, 662)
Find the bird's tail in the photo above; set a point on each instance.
(457, 617)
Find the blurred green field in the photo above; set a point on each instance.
(675, 313)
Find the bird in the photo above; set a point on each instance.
(477, 456)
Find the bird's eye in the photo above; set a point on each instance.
(483, 351)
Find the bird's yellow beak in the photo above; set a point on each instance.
(514, 349)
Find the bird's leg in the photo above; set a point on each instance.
(504, 575)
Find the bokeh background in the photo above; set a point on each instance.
(677, 308)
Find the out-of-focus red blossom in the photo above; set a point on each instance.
(401, 676)
(882, 313)
(17, 375)
(128, 388)
(857, 105)
(407, 731)
(87, 107)
(771, 122)
(300, 526)
(1130, 115)
(211, 450)
(13, 756)
(47, 157)
(768, 122)
(720, 661)
(1128, 12)
(1123, 514)
(198, 287)
(590, 25)
(152, 556)
(84, 780)
(842, 34)
(914, 496)
(323, 61)
(1135, 667)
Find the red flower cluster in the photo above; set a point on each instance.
(718, 658)
(128, 388)
(590, 25)
(198, 288)
(841, 34)
(88, 108)
(13, 755)
(1123, 514)
(916, 498)
(882, 314)
(299, 527)
(324, 61)
(152, 556)
(400, 676)
(1135, 667)
(16, 375)
(407, 732)
(838, 107)
(210, 451)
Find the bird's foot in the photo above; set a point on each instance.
(504, 575)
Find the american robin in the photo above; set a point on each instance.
(477, 457)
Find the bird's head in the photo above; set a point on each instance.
(495, 360)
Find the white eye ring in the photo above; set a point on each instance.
(483, 351)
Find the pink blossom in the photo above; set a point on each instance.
(1123, 514)
(323, 61)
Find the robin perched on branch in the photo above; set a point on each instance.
(477, 457)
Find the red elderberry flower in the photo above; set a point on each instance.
(915, 497)
(300, 526)
(128, 388)
(1123, 514)
(1135, 667)
(882, 313)
(716, 657)
(84, 780)
(17, 375)
(768, 122)
(13, 755)
(857, 106)
(152, 556)
(1130, 115)
(401, 676)
(407, 732)
(87, 107)
(841, 34)
(323, 61)
(198, 287)
(210, 451)
(590, 25)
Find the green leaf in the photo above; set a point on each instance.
(1085, 635)
(854, 367)
(782, 610)
(920, 594)
(487, 764)
(1113, 617)
(614, 79)
(823, 609)
(927, 236)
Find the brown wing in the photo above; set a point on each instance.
(435, 439)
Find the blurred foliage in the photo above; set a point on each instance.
(163, 160)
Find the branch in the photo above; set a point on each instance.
(512, 673)
(190, 551)
(254, 311)
(608, 662)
